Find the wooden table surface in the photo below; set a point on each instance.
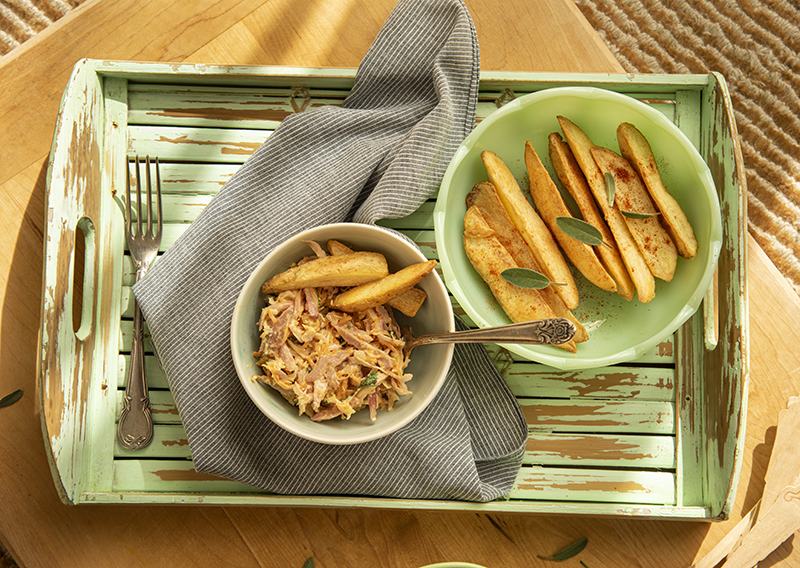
(515, 35)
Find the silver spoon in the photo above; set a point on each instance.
(551, 331)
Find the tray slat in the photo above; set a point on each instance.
(593, 450)
(590, 450)
(607, 486)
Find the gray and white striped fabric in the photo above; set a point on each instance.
(378, 156)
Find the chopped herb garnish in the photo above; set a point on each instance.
(371, 379)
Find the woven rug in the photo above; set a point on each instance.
(20, 20)
(755, 45)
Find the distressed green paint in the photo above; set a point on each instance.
(659, 438)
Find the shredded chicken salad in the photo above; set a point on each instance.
(331, 363)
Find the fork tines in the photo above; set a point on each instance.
(149, 198)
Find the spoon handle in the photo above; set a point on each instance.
(551, 331)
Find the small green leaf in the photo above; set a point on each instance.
(371, 379)
(580, 230)
(611, 188)
(309, 563)
(525, 278)
(10, 399)
(584, 564)
(570, 551)
(634, 215)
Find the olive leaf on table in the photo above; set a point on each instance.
(10, 399)
(567, 553)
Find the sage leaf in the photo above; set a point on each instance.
(525, 278)
(580, 230)
(634, 215)
(570, 551)
(309, 563)
(10, 399)
(611, 188)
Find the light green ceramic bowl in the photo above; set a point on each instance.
(619, 331)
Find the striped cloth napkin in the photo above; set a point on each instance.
(379, 155)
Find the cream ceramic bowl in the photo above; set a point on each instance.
(429, 364)
(619, 331)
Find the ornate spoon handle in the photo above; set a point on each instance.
(552, 331)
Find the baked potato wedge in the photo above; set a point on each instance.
(551, 206)
(346, 270)
(381, 291)
(532, 228)
(654, 242)
(636, 149)
(569, 173)
(484, 197)
(408, 303)
(490, 258)
(338, 248)
(581, 146)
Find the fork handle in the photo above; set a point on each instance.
(135, 430)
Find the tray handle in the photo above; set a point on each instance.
(77, 240)
(726, 368)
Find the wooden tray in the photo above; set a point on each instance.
(659, 438)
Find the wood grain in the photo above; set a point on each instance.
(540, 35)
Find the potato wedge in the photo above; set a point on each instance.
(581, 146)
(337, 247)
(532, 228)
(346, 270)
(571, 176)
(378, 292)
(636, 149)
(484, 197)
(551, 205)
(490, 258)
(654, 242)
(409, 302)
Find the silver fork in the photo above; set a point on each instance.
(135, 428)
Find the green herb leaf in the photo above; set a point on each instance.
(525, 278)
(580, 230)
(10, 399)
(634, 215)
(309, 563)
(611, 188)
(570, 551)
(371, 379)
(584, 564)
